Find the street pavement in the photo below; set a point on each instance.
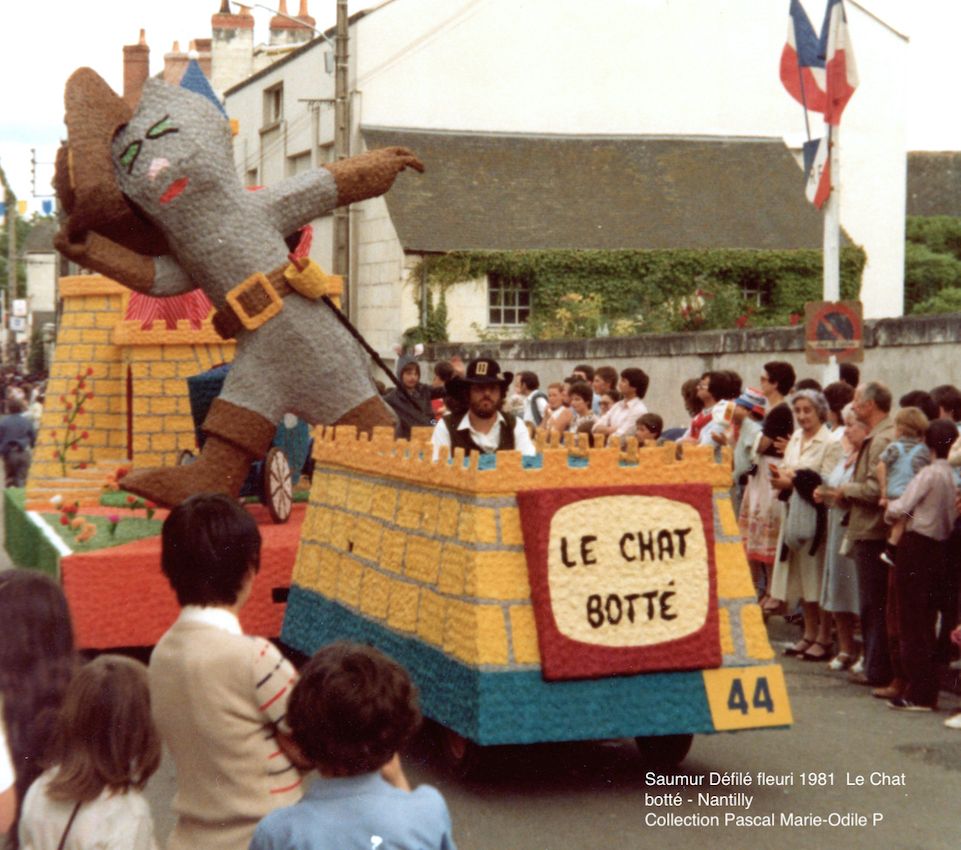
(589, 796)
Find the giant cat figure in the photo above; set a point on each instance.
(152, 200)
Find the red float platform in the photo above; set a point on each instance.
(118, 597)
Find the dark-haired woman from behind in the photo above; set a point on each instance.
(37, 660)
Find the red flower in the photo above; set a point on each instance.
(79, 377)
(90, 370)
(56, 455)
(741, 321)
(66, 419)
(89, 395)
(131, 499)
(82, 465)
(74, 447)
(72, 427)
(64, 519)
(84, 435)
(80, 385)
(69, 406)
(794, 318)
(53, 434)
(121, 471)
(71, 509)
(79, 410)
(151, 506)
(63, 398)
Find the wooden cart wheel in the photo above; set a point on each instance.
(278, 487)
(664, 751)
(185, 457)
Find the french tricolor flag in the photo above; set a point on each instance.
(802, 61)
(838, 57)
(817, 167)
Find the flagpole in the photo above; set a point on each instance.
(832, 238)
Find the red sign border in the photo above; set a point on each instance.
(817, 310)
(565, 658)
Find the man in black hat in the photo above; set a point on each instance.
(485, 427)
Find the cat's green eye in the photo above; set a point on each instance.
(129, 156)
(161, 128)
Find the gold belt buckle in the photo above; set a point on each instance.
(274, 304)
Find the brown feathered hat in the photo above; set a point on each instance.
(84, 176)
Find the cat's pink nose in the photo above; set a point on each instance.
(156, 166)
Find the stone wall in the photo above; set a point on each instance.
(907, 353)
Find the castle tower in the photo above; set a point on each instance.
(231, 48)
(136, 69)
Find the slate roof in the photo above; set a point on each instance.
(517, 192)
(934, 183)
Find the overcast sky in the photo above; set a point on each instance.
(45, 41)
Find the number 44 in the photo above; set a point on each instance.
(761, 699)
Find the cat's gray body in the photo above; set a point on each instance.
(301, 360)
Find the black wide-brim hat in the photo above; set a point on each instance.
(482, 371)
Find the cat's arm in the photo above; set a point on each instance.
(157, 276)
(299, 200)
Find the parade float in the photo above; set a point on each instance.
(589, 594)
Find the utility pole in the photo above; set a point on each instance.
(11, 216)
(342, 151)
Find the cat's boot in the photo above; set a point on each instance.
(236, 437)
(369, 414)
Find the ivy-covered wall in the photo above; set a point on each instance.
(579, 293)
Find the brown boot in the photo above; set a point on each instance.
(236, 437)
(368, 414)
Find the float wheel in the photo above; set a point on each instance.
(278, 487)
(663, 751)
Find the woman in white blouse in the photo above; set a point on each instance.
(800, 574)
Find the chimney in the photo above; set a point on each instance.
(232, 47)
(175, 63)
(136, 69)
(287, 30)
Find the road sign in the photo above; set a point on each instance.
(833, 328)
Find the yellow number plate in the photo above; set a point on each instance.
(747, 697)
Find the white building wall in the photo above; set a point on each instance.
(42, 282)
(634, 67)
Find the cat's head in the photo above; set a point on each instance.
(173, 153)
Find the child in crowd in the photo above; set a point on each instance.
(218, 695)
(649, 428)
(903, 458)
(582, 416)
(104, 749)
(350, 714)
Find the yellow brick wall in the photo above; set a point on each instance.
(436, 551)
(93, 335)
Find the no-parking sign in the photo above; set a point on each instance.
(833, 328)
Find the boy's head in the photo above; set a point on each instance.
(209, 545)
(649, 427)
(410, 376)
(940, 436)
(555, 395)
(911, 422)
(352, 709)
(585, 371)
(443, 372)
(636, 380)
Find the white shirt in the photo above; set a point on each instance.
(7, 776)
(211, 616)
(110, 822)
(487, 442)
(529, 402)
(622, 417)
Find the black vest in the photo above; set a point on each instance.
(461, 439)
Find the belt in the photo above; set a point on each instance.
(259, 298)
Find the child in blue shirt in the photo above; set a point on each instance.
(350, 713)
(903, 458)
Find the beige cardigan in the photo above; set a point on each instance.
(216, 697)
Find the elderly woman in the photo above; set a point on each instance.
(839, 589)
(799, 574)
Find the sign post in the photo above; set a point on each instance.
(833, 329)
